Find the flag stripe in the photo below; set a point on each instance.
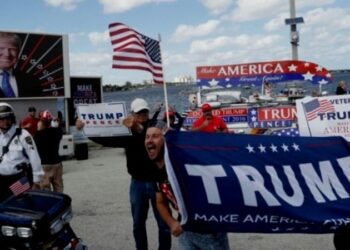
(133, 50)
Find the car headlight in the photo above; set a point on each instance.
(24, 232)
(56, 226)
(67, 216)
(8, 230)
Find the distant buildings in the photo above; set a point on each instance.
(184, 79)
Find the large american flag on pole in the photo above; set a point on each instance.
(133, 50)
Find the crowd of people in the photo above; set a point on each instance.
(31, 150)
(29, 153)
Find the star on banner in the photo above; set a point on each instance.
(213, 82)
(273, 148)
(262, 148)
(308, 76)
(250, 149)
(292, 67)
(296, 147)
(319, 68)
(285, 147)
(323, 81)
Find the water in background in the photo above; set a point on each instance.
(178, 95)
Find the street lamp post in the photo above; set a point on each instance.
(294, 35)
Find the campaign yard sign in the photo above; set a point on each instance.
(103, 119)
(324, 116)
(259, 183)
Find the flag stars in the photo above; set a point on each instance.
(250, 149)
(273, 148)
(253, 111)
(296, 147)
(262, 148)
(285, 147)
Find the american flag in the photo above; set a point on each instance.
(20, 186)
(314, 107)
(133, 50)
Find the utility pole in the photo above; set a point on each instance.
(294, 35)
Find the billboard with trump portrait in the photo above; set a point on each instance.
(33, 65)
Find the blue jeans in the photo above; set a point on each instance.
(142, 193)
(196, 241)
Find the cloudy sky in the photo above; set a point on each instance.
(193, 32)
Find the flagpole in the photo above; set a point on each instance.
(307, 121)
(164, 86)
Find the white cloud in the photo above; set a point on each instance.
(237, 42)
(65, 4)
(333, 18)
(118, 6)
(313, 3)
(185, 32)
(277, 22)
(262, 9)
(217, 6)
(98, 37)
(324, 37)
(89, 63)
(257, 9)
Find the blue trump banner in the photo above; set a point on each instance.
(262, 184)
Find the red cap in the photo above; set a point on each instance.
(45, 116)
(206, 107)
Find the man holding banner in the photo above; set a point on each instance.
(143, 177)
(154, 143)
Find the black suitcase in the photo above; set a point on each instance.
(35, 220)
(81, 151)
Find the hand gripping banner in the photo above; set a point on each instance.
(261, 184)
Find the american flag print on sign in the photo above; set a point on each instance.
(314, 107)
(133, 50)
(20, 186)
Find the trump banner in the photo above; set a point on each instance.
(262, 184)
(103, 119)
(254, 74)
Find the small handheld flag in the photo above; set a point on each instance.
(20, 186)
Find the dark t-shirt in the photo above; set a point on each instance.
(48, 143)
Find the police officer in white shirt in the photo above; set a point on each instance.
(18, 153)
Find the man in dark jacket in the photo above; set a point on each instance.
(143, 177)
(48, 139)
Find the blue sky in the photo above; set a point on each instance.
(194, 32)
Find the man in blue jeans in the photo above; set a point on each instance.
(143, 173)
